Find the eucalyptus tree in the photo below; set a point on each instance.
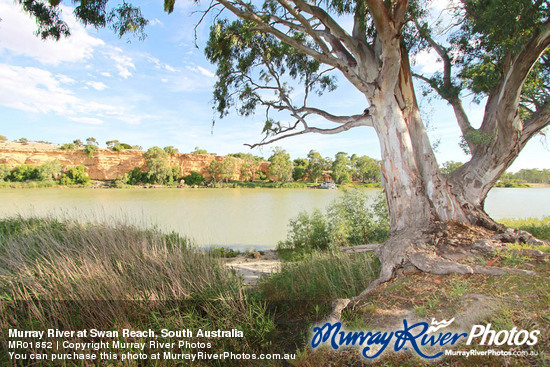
(497, 50)
(280, 167)
(316, 165)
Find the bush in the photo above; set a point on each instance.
(4, 172)
(49, 171)
(69, 146)
(307, 233)
(135, 177)
(355, 220)
(170, 150)
(194, 178)
(75, 176)
(351, 219)
(90, 149)
(23, 173)
(121, 146)
(3, 138)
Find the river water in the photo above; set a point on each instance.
(240, 218)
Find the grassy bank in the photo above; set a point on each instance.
(71, 276)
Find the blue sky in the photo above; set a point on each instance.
(159, 91)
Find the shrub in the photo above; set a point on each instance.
(68, 146)
(170, 150)
(352, 219)
(4, 172)
(121, 146)
(199, 151)
(90, 149)
(75, 176)
(3, 138)
(355, 220)
(135, 177)
(307, 233)
(49, 171)
(194, 178)
(23, 173)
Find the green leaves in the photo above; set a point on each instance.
(256, 69)
(169, 6)
(48, 19)
(492, 35)
(123, 19)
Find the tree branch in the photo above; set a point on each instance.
(448, 92)
(263, 26)
(538, 121)
(366, 118)
(306, 24)
(382, 20)
(336, 130)
(505, 98)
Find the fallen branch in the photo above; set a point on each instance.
(361, 248)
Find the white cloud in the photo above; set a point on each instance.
(17, 34)
(97, 85)
(38, 90)
(428, 62)
(106, 74)
(154, 22)
(161, 65)
(123, 63)
(87, 120)
(65, 79)
(170, 68)
(201, 70)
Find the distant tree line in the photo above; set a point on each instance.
(343, 168)
(527, 176)
(509, 179)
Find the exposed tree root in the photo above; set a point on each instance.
(437, 250)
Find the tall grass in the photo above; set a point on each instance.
(71, 276)
(321, 278)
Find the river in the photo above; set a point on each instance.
(239, 218)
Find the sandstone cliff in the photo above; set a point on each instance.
(105, 164)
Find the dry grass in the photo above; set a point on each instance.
(71, 276)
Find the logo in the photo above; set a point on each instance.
(439, 325)
(416, 337)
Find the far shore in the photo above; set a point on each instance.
(223, 185)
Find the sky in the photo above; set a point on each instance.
(158, 92)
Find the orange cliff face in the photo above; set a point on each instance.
(105, 164)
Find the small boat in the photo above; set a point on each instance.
(327, 185)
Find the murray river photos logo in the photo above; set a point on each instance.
(417, 337)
